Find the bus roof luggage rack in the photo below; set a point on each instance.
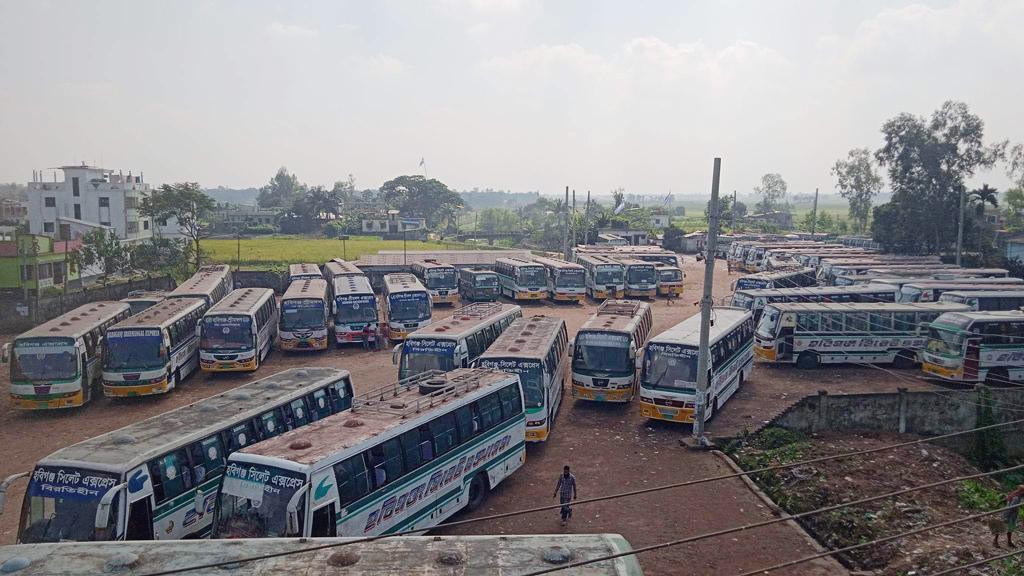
(619, 308)
(477, 310)
(435, 387)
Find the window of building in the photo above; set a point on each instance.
(102, 223)
(48, 227)
(74, 186)
(78, 211)
(145, 224)
(104, 202)
(26, 273)
(132, 227)
(50, 202)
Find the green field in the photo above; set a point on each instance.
(279, 251)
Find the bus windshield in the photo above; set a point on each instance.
(47, 359)
(641, 275)
(670, 366)
(61, 504)
(139, 349)
(769, 320)
(909, 294)
(669, 275)
(254, 501)
(741, 300)
(570, 279)
(440, 278)
(409, 306)
(532, 276)
(227, 333)
(422, 354)
(751, 283)
(608, 275)
(302, 314)
(530, 375)
(485, 280)
(601, 352)
(356, 309)
(944, 341)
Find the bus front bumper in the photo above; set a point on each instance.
(452, 298)
(642, 293)
(69, 400)
(601, 395)
(684, 415)
(395, 334)
(531, 295)
(770, 354)
(228, 365)
(122, 389)
(537, 434)
(666, 290)
(304, 344)
(570, 297)
(942, 371)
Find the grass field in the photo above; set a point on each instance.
(279, 251)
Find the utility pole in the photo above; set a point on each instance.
(565, 226)
(573, 245)
(814, 214)
(960, 230)
(586, 221)
(705, 310)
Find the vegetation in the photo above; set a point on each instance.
(185, 202)
(417, 196)
(102, 248)
(858, 182)
(772, 191)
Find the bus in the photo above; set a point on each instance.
(237, 333)
(338, 268)
(827, 274)
(305, 316)
(604, 350)
(641, 278)
(535, 349)
(354, 307)
(407, 306)
(479, 285)
(900, 281)
(566, 280)
(139, 300)
(654, 254)
(304, 271)
(605, 276)
(976, 347)
(811, 334)
(755, 253)
(441, 280)
(670, 280)
(500, 554)
(157, 479)
(986, 300)
(211, 283)
(57, 364)
(786, 257)
(668, 366)
(755, 300)
(456, 341)
(931, 291)
(521, 279)
(795, 278)
(152, 352)
(954, 271)
(406, 456)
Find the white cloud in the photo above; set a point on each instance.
(479, 30)
(384, 66)
(291, 30)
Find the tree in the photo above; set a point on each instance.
(418, 196)
(160, 254)
(981, 196)
(858, 182)
(187, 203)
(282, 190)
(618, 198)
(928, 161)
(772, 191)
(673, 239)
(1016, 167)
(103, 248)
(1014, 210)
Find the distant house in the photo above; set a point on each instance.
(394, 226)
(232, 217)
(34, 261)
(694, 242)
(611, 240)
(1014, 246)
(660, 221)
(779, 218)
(13, 211)
(632, 237)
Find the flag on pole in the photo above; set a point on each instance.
(618, 209)
(422, 161)
(667, 199)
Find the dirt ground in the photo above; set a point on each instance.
(611, 449)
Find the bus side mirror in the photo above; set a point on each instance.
(395, 352)
(293, 527)
(199, 502)
(199, 330)
(7, 484)
(6, 354)
(103, 511)
(632, 350)
(638, 359)
(572, 348)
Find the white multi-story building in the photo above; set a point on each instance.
(88, 198)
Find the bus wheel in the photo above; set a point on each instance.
(477, 491)
(807, 360)
(904, 359)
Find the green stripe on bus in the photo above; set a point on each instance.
(179, 501)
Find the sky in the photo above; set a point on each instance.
(510, 94)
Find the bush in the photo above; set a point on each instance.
(974, 495)
(260, 229)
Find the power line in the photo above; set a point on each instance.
(604, 498)
(979, 562)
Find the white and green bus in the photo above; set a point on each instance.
(407, 306)
(440, 279)
(668, 366)
(237, 333)
(210, 283)
(986, 300)
(152, 352)
(456, 341)
(405, 457)
(58, 363)
(932, 291)
(535, 349)
(976, 347)
(304, 271)
(479, 285)
(566, 281)
(305, 316)
(355, 306)
(521, 279)
(158, 478)
(606, 276)
(812, 334)
(603, 352)
(139, 300)
(641, 278)
(755, 300)
(422, 555)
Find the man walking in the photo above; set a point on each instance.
(566, 492)
(1011, 516)
(368, 337)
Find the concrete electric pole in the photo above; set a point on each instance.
(706, 303)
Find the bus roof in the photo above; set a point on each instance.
(306, 288)
(352, 285)
(161, 313)
(421, 555)
(600, 259)
(478, 270)
(373, 414)
(526, 338)
(145, 295)
(868, 307)
(79, 321)
(465, 319)
(964, 319)
(664, 266)
(1015, 291)
(402, 282)
(123, 449)
(617, 316)
(688, 331)
(243, 300)
(303, 268)
(204, 281)
(630, 261)
(339, 267)
(966, 285)
(517, 262)
(429, 264)
(819, 290)
(780, 273)
(556, 263)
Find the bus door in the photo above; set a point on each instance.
(972, 359)
(323, 496)
(140, 505)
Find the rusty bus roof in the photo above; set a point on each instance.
(145, 295)
(375, 413)
(557, 263)
(241, 301)
(352, 285)
(204, 281)
(521, 262)
(469, 317)
(598, 258)
(402, 282)
(162, 313)
(429, 264)
(306, 288)
(125, 448)
(338, 267)
(79, 321)
(617, 316)
(526, 338)
(849, 307)
(303, 268)
(455, 257)
(629, 261)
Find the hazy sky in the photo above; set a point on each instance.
(513, 94)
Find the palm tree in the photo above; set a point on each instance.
(984, 195)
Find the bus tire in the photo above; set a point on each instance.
(478, 488)
(807, 360)
(997, 377)
(904, 359)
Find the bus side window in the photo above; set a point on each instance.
(341, 398)
(174, 474)
(296, 413)
(475, 342)
(490, 411)
(320, 403)
(443, 430)
(511, 402)
(468, 422)
(386, 461)
(271, 423)
(207, 458)
(352, 478)
(241, 436)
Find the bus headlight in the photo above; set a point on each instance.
(646, 399)
(540, 422)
